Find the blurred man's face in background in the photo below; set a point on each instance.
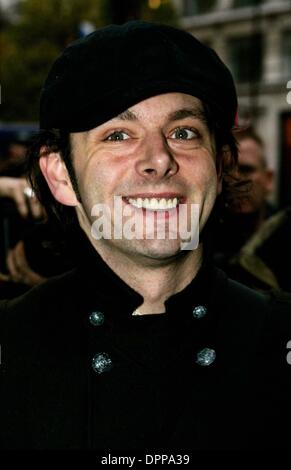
(17, 151)
(252, 167)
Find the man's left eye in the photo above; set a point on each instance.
(183, 133)
(116, 136)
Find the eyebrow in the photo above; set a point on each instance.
(127, 116)
(183, 113)
(197, 113)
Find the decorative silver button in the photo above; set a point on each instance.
(205, 357)
(101, 362)
(96, 318)
(199, 311)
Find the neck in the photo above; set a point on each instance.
(154, 279)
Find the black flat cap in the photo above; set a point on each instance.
(103, 74)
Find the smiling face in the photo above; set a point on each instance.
(157, 155)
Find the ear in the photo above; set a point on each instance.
(56, 174)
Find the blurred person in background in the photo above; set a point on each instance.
(253, 167)
(263, 263)
(18, 190)
(14, 186)
(19, 209)
(245, 213)
(13, 149)
(255, 237)
(24, 260)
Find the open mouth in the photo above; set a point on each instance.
(154, 203)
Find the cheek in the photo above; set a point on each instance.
(90, 174)
(102, 180)
(205, 176)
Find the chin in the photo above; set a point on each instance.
(158, 249)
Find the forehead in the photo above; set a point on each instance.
(250, 151)
(167, 105)
(156, 111)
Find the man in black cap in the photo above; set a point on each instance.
(144, 345)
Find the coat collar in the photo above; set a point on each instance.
(101, 289)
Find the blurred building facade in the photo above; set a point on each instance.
(253, 37)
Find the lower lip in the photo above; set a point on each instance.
(162, 214)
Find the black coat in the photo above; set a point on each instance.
(156, 395)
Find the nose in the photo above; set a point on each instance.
(156, 160)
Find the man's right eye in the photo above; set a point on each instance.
(117, 136)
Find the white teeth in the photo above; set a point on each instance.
(163, 204)
(172, 203)
(154, 203)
